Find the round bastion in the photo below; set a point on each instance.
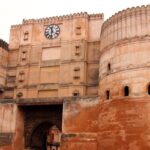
(124, 81)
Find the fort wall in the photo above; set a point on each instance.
(42, 73)
(124, 80)
(11, 126)
(80, 124)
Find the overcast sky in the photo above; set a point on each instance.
(14, 11)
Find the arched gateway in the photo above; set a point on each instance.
(40, 124)
(45, 137)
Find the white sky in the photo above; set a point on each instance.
(14, 11)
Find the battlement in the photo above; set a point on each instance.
(123, 25)
(56, 19)
(126, 12)
(64, 17)
(3, 44)
(16, 26)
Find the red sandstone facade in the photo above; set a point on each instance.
(50, 98)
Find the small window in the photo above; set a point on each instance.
(126, 91)
(26, 35)
(78, 30)
(23, 55)
(148, 89)
(21, 77)
(108, 67)
(1, 93)
(76, 73)
(77, 50)
(76, 93)
(19, 95)
(107, 94)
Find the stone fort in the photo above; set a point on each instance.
(77, 82)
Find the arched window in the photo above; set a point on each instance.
(107, 94)
(126, 91)
(1, 93)
(109, 67)
(148, 89)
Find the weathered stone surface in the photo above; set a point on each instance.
(124, 62)
(81, 115)
(79, 141)
(5, 139)
(124, 124)
(36, 60)
(35, 116)
(109, 112)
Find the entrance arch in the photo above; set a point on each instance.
(37, 121)
(38, 137)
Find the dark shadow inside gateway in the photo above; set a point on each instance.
(37, 122)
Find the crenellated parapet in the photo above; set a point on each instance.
(127, 24)
(96, 16)
(3, 44)
(59, 19)
(64, 17)
(17, 26)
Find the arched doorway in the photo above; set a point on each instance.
(37, 121)
(38, 139)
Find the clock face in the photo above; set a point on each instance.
(52, 31)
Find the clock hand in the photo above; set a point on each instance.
(51, 31)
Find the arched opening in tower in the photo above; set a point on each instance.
(148, 89)
(39, 136)
(107, 94)
(126, 91)
(45, 136)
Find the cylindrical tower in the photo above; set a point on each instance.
(124, 81)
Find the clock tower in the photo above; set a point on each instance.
(54, 57)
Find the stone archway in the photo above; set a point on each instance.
(39, 136)
(37, 121)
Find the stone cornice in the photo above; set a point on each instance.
(128, 99)
(6, 101)
(128, 68)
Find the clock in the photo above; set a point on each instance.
(52, 31)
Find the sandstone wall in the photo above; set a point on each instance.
(124, 80)
(11, 127)
(3, 66)
(125, 46)
(80, 124)
(41, 67)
